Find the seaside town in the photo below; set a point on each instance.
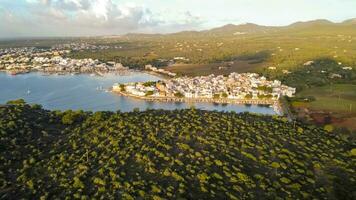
(29, 59)
(245, 86)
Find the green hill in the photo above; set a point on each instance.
(288, 46)
(350, 21)
(181, 154)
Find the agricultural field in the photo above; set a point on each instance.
(334, 98)
(157, 154)
(325, 93)
(335, 103)
(224, 68)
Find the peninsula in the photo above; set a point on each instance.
(244, 88)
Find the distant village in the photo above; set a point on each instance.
(24, 60)
(233, 86)
(54, 60)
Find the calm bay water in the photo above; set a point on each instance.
(82, 92)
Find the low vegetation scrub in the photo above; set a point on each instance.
(181, 154)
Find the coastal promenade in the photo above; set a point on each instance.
(274, 103)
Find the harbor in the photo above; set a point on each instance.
(92, 93)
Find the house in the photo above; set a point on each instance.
(347, 68)
(308, 63)
(335, 76)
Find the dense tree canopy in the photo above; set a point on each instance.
(181, 154)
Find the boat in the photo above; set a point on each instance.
(13, 72)
(99, 88)
(100, 74)
(28, 92)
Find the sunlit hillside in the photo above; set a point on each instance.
(286, 46)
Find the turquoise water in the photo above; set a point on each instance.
(82, 92)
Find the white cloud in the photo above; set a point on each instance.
(89, 17)
(106, 17)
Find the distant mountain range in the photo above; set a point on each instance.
(350, 21)
(251, 28)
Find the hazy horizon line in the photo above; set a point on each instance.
(161, 33)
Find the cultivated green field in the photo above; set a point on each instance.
(335, 98)
(239, 66)
(333, 104)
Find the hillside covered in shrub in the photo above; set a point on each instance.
(181, 154)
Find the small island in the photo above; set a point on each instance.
(244, 88)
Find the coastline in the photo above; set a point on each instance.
(48, 73)
(155, 74)
(276, 104)
(73, 72)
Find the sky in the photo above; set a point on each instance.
(42, 18)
